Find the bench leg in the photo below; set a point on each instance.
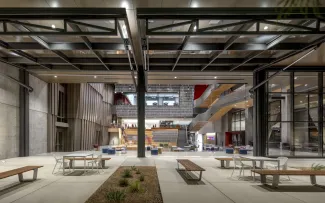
(200, 177)
(35, 174)
(263, 179)
(313, 180)
(275, 182)
(70, 163)
(222, 163)
(21, 177)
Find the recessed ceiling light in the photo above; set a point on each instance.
(115, 92)
(55, 76)
(296, 78)
(95, 76)
(300, 101)
(195, 28)
(215, 77)
(122, 92)
(246, 101)
(53, 26)
(195, 5)
(175, 77)
(235, 105)
(306, 85)
(135, 76)
(266, 27)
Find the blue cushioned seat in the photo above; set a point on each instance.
(229, 151)
(154, 152)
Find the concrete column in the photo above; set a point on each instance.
(23, 115)
(141, 112)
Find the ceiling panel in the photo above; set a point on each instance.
(61, 3)
(147, 3)
(177, 3)
(23, 3)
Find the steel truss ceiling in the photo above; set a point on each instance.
(71, 43)
(236, 39)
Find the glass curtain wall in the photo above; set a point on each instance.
(293, 115)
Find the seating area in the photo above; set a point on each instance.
(20, 171)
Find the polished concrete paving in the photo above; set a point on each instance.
(216, 185)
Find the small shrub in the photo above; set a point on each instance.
(135, 187)
(116, 196)
(138, 171)
(317, 167)
(141, 178)
(123, 182)
(127, 173)
(133, 168)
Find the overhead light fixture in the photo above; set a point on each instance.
(266, 27)
(195, 28)
(135, 76)
(195, 5)
(296, 78)
(122, 92)
(95, 76)
(215, 77)
(115, 92)
(53, 26)
(306, 85)
(235, 105)
(175, 77)
(125, 4)
(246, 101)
(55, 76)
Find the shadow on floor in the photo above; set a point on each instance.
(13, 187)
(190, 178)
(291, 188)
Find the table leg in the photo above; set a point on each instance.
(261, 164)
(63, 164)
(279, 165)
(103, 164)
(263, 179)
(227, 164)
(222, 163)
(254, 167)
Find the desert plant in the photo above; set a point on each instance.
(138, 171)
(133, 168)
(127, 173)
(141, 178)
(135, 187)
(123, 182)
(317, 167)
(115, 196)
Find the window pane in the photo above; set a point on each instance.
(279, 107)
(279, 138)
(306, 82)
(306, 139)
(301, 107)
(279, 83)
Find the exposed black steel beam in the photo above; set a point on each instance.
(271, 13)
(191, 46)
(29, 88)
(128, 53)
(287, 25)
(226, 25)
(33, 25)
(229, 42)
(171, 25)
(92, 26)
(184, 42)
(63, 33)
(44, 43)
(273, 43)
(23, 54)
(62, 13)
(235, 33)
(88, 44)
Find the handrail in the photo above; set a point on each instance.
(205, 94)
(232, 98)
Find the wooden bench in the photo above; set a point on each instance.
(227, 159)
(87, 159)
(190, 166)
(20, 171)
(277, 173)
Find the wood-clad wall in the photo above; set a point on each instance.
(52, 115)
(89, 110)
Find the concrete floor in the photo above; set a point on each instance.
(217, 185)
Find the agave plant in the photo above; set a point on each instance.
(127, 173)
(124, 182)
(115, 196)
(133, 168)
(135, 187)
(141, 178)
(317, 167)
(138, 171)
